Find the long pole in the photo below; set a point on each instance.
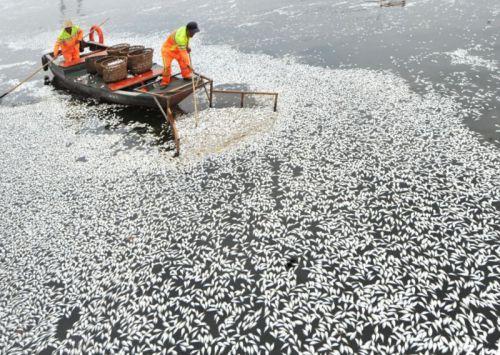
(27, 79)
(194, 92)
(170, 119)
(40, 69)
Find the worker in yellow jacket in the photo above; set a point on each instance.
(177, 47)
(69, 42)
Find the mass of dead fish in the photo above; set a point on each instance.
(362, 218)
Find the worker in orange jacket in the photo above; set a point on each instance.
(69, 42)
(177, 47)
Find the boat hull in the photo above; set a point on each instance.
(76, 80)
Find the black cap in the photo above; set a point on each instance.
(193, 27)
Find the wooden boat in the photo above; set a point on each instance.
(138, 90)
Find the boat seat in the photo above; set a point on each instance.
(138, 79)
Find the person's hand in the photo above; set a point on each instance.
(189, 50)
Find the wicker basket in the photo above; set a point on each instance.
(140, 61)
(90, 63)
(119, 49)
(98, 64)
(114, 69)
(134, 57)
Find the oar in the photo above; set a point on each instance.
(194, 92)
(41, 68)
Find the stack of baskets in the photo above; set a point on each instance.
(121, 58)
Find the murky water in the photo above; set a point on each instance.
(362, 217)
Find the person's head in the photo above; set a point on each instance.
(68, 25)
(192, 29)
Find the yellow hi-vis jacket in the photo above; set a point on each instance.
(179, 39)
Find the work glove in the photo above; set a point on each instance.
(82, 46)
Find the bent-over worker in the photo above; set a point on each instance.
(69, 42)
(177, 47)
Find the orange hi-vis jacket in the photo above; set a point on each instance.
(176, 47)
(68, 43)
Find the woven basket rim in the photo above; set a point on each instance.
(119, 46)
(95, 58)
(104, 58)
(136, 53)
(144, 51)
(107, 65)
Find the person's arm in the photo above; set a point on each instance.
(57, 46)
(80, 42)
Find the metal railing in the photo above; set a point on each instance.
(243, 94)
(162, 99)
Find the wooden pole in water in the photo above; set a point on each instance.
(169, 116)
(194, 92)
(211, 93)
(174, 131)
(40, 69)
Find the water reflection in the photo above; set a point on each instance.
(79, 7)
(391, 3)
(63, 8)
